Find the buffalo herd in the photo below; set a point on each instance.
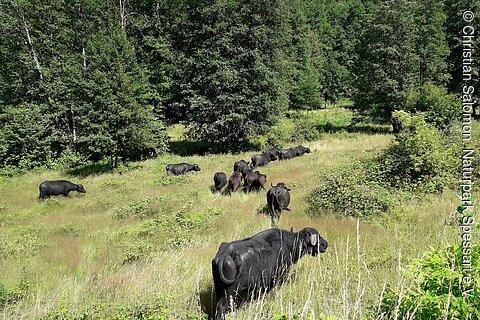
(247, 268)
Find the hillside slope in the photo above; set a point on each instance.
(140, 243)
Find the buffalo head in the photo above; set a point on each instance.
(81, 189)
(312, 242)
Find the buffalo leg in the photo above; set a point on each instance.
(221, 309)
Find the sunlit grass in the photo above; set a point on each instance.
(81, 246)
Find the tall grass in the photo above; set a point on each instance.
(140, 243)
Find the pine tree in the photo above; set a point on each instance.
(229, 84)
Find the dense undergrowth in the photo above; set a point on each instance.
(421, 160)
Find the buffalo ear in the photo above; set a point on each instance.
(288, 189)
(291, 229)
(313, 239)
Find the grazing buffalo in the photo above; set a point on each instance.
(278, 199)
(263, 159)
(300, 150)
(260, 183)
(234, 182)
(255, 181)
(287, 154)
(273, 153)
(250, 267)
(241, 166)
(58, 187)
(220, 180)
(246, 173)
(250, 179)
(181, 168)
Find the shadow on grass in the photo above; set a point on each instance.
(101, 167)
(190, 147)
(200, 148)
(91, 169)
(207, 301)
(357, 128)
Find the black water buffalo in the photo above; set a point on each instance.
(58, 187)
(260, 182)
(300, 150)
(262, 159)
(220, 180)
(246, 173)
(248, 268)
(278, 199)
(234, 182)
(287, 154)
(273, 153)
(241, 166)
(181, 168)
(255, 181)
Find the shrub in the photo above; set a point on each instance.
(433, 289)
(305, 129)
(419, 159)
(138, 209)
(441, 108)
(352, 192)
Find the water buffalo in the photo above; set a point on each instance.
(220, 180)
(300, 150)
(58, 187)
(263, 159)
(273, 153)
(287, 154)
(255, 181)
(260, 183)
(181, 168)
(250, 267)
(234, 182)
(278, 199)
(241, 166)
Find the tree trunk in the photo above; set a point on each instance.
(29, 39)
(123, 15)
(74, 130)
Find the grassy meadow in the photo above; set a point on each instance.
(139, 243)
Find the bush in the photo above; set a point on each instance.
(352, 192)
(27, 137)
(441, 108)
(433, 288)
(419, 159)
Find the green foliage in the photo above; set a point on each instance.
(70, 230)
(136, 210)
(419, 159)
(434, 288)
(440, 108)
(151, 311)
(119, 122)
(19, 241)
(402, 46)
(27, 137)
(305, 126)
(72, 88)
(351, 192)
(231, 89)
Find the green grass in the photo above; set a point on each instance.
(140, 243)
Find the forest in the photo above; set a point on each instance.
(99, 80)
